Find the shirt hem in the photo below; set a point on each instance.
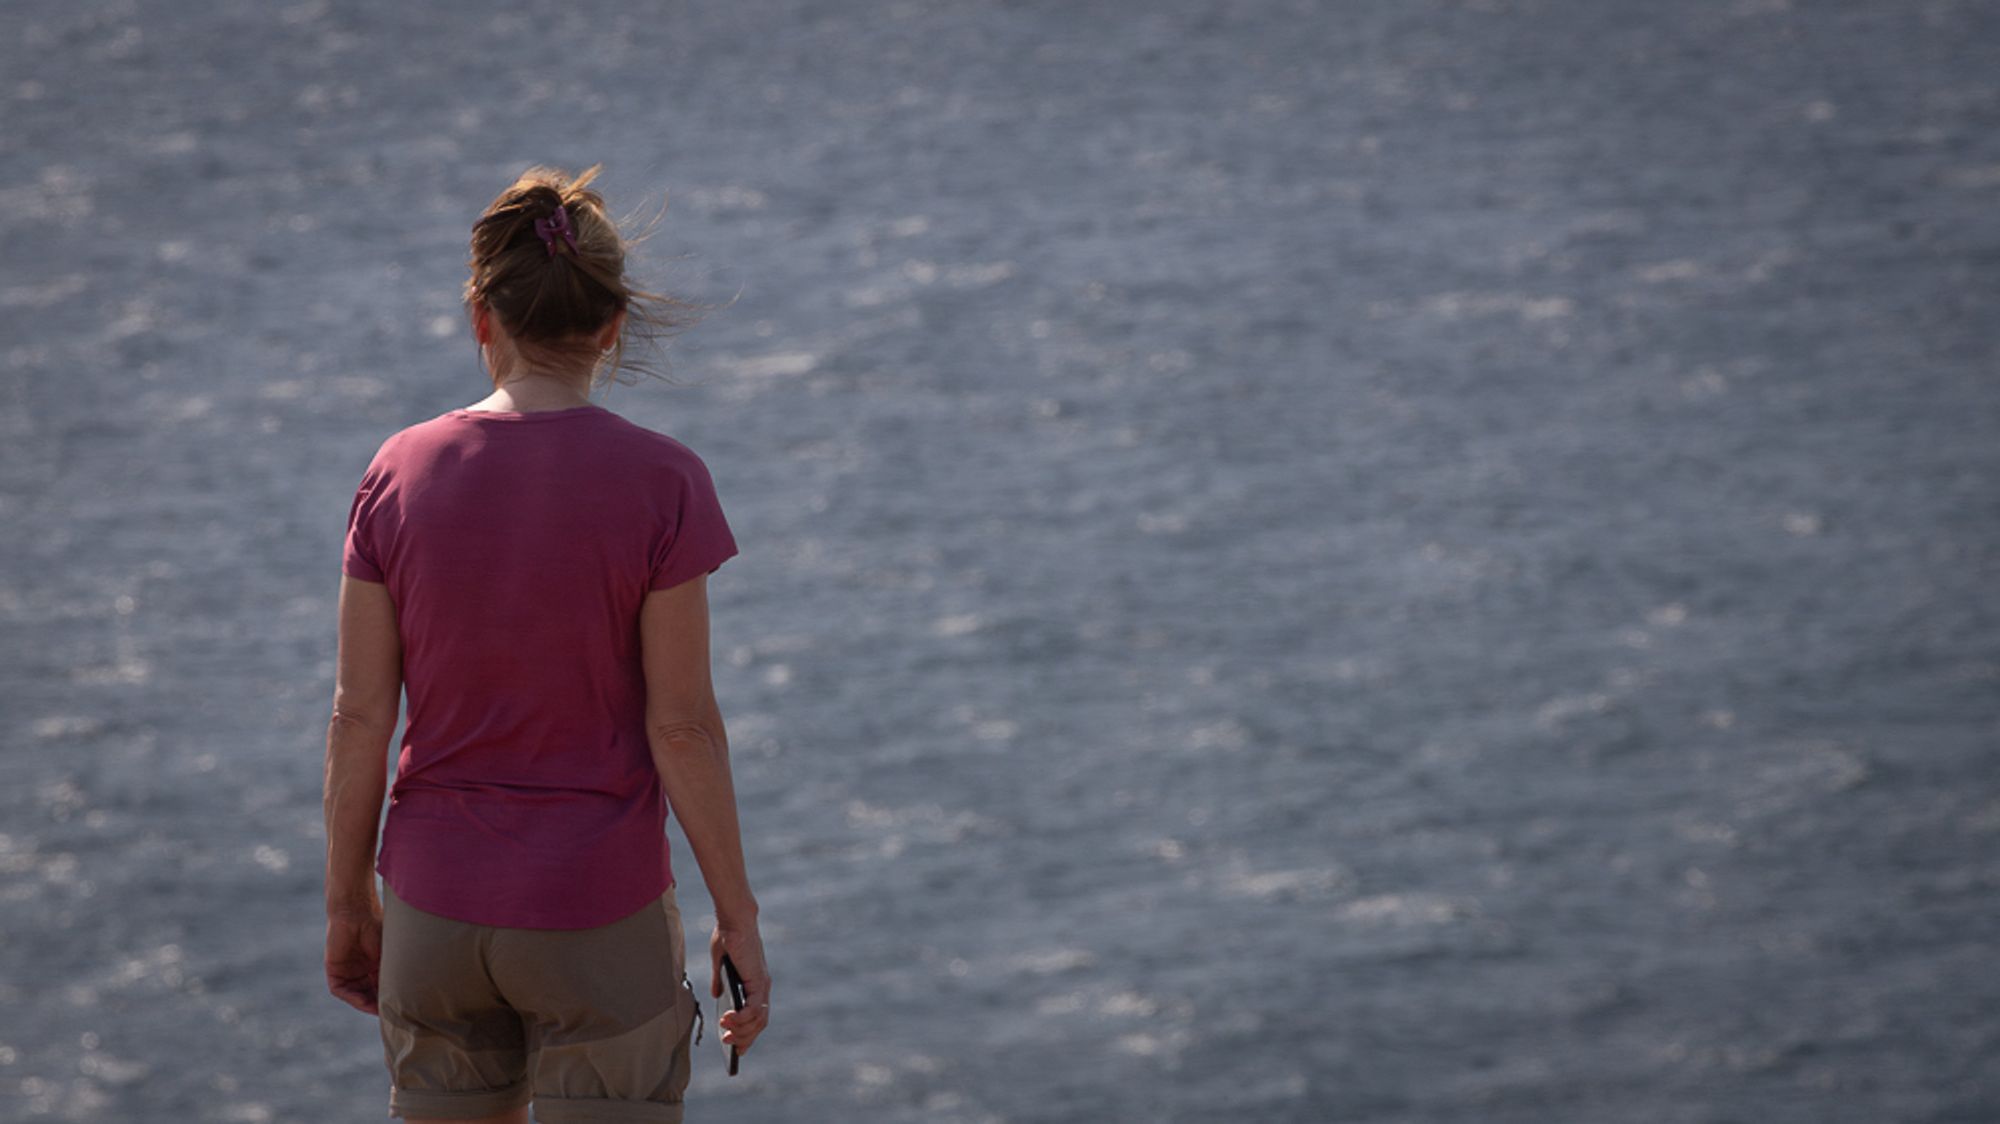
(541, 921)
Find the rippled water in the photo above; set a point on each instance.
(1368, 562)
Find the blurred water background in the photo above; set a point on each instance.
(1398, 560)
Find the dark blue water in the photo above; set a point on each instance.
(1371, 562)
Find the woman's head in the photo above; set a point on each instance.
(548, 264)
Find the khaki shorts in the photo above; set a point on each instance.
(592, 1024)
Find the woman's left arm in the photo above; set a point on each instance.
(367, 698)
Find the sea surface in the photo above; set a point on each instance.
(1385, 561)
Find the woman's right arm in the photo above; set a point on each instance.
(691, 750)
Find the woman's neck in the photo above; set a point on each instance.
(530, 393)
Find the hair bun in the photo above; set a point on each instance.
(555, 315)
(544, 198)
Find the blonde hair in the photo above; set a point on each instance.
(553, 297)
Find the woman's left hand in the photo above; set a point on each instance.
(354, 957)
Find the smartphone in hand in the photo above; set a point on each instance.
(735, 999)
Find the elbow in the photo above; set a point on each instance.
(358, 722)
(679, 735)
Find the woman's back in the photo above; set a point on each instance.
(518, 548)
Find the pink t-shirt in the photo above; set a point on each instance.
(517, 548)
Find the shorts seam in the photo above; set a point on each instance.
(451, 1103)
(605, 1110)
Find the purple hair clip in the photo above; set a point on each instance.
(556, 224)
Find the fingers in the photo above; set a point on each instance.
(746, 951)
(354, 961)
(741, 1034)
(360, 1001)
(358, 993)
(741, 1028)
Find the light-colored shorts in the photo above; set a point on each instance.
(592, 1024)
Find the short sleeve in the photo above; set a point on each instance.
(699, 539)
(358, 557)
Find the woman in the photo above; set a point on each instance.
(532, 571)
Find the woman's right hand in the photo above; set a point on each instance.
(746, 952)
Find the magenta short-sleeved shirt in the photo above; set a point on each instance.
(517, 548)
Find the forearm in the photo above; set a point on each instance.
(357, 774)
(693, 760)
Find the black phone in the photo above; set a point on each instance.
(735, 999)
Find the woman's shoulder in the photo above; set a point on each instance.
(663, 448)
(413, 438)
